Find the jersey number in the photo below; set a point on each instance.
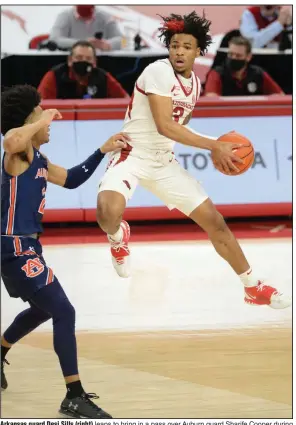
(41, 206)
(42, 203)
(33, 267)
(178, 113)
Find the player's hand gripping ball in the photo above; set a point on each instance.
(245, 153)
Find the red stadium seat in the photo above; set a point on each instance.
(35, 42)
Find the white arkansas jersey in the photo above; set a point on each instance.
(158, 78)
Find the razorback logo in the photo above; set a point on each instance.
(14, 17)
(42, 172)
(127, 184)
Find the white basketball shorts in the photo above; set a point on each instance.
(159, 172)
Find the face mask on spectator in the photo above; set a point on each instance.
(235, 64)
(82, 68)
(85, 11)
(270, 12)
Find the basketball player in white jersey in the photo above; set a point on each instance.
(162, 103)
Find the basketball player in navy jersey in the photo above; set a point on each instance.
(25, 172)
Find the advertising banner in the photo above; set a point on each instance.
(268, 181)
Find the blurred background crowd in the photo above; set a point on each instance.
(88, 51)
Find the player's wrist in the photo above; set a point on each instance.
(41, 123)
(210, 144)
(215, 145)
(100, 153)
(103, 149)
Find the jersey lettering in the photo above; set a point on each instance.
(42, 172)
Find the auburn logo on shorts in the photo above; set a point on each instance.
(33, 267)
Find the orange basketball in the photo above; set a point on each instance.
(246, 153)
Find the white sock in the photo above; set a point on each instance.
(248, 278)
(117, 237)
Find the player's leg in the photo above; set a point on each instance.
(110, 209)
(116, 188)
(53, 301)
(20, 259)
(24, 323)
(178, 189)
(225, 243)
(26, 275)
(227, 246)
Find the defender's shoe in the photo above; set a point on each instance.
(4, 383)
(83, 408)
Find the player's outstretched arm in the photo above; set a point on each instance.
(162, 111)
(76, 176)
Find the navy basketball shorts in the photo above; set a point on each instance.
(23, 268)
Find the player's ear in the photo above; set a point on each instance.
(31, 118)
(197, 52)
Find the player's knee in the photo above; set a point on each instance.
(64, 311)
(69, 312)
(108, 214)
(42, 316)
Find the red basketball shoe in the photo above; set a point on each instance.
(120, 252)
(266, 295)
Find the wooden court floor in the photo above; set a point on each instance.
(245, 373)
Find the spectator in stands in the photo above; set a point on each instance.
(264, 25)
(86, 22)
(79, 78)
(236, 77)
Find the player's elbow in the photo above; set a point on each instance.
(11, 142)
(164, 127)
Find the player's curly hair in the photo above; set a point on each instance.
(197, 26)
(17, 103)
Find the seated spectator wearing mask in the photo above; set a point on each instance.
(236, 77)
(80, 78)
(82, 23)
(264, 25)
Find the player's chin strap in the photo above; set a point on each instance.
(78, 175)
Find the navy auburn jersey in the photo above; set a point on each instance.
(23, 198)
